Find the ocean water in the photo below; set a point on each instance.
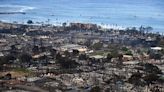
(126, 13)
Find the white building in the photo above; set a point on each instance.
(71, 47)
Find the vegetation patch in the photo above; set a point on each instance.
(21, 70)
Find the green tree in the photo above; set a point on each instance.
(35, 49)
(64, 24)
(75, 52)
(109, 57)
(29, 22)
(88, 43)
(148, 29)
(83, 57)
(97, 46)
(53, 52)
(129, 53)
(6, 60)
(58, 56)
(67, 54)
(136, 79)
(150, 78)
(114, 53)
(67, 63)
(25, 58)
(96, 89)
(155, 56)
(125, 49)
(2, 61)
(150, 68)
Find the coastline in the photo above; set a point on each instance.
(104, 26)
(101, 26)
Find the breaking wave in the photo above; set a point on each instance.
(14, 8)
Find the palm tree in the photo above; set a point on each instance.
(148, 29)
(48, 21)
(142, 30)
(64, 24)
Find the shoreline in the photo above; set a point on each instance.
(105, 26)
(102, 26)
